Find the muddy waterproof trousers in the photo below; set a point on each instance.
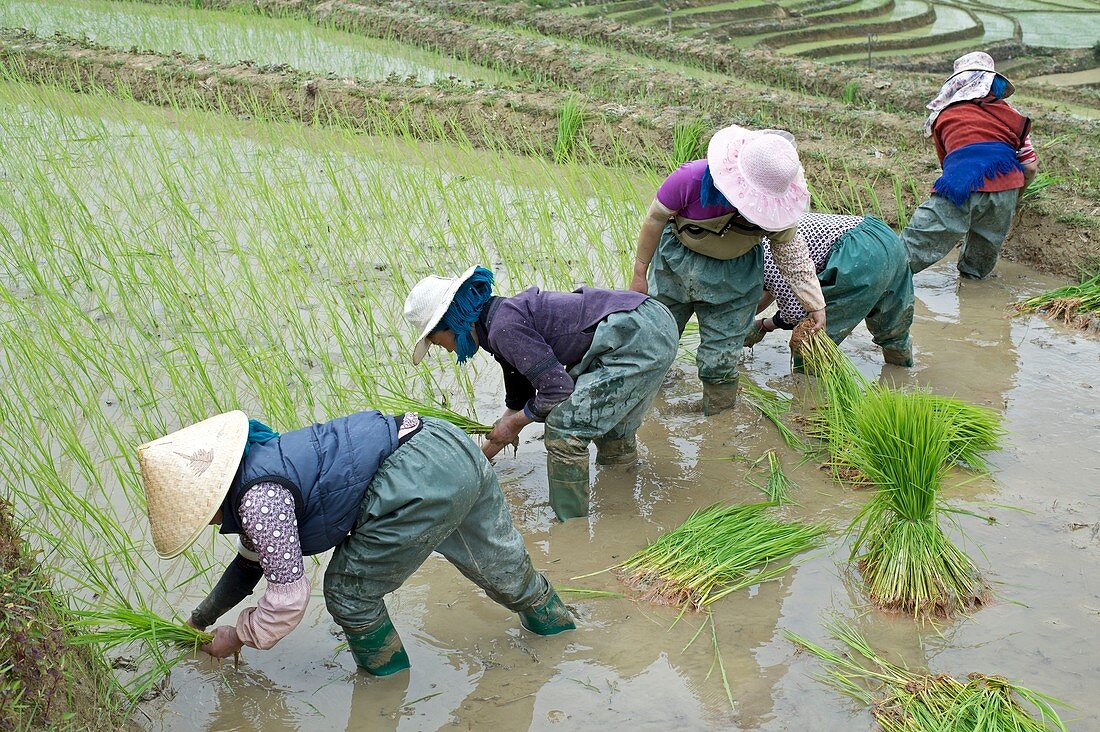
(436, 492)
(614, 386)
(867, 277)
(981, 224)
(722, 294)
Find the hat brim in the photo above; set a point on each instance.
(420, 350)
(783, 212)
(170, 540)
(1010, 88)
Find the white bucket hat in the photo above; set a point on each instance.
(427, 303)
(760, 175)
(187, 475)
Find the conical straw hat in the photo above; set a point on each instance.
(187, 475)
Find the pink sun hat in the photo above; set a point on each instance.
(760, 175)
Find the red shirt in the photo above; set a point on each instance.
(966, 123)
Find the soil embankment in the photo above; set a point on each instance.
(47, 682)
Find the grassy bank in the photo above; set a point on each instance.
(47, 683)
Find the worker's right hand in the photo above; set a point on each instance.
(638, 283)
(226, 642)
(817, 317)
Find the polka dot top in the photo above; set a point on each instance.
(270, 530)
(820, 232)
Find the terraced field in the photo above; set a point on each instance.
(848, 30)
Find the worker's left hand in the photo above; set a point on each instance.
(225, 643)
(817, 317)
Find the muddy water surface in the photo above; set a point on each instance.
(626, 667)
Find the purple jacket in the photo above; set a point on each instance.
(538, 336)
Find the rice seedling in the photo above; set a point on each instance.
(1038, 185)
(908, 701)
(840, 388)
(1077, 305)
(687, 141)
(779, 485)
(570, 121)
(120, 625)
(972, 430)
(584, 592)
(773, 406)
(903, 445)
(399, 404)
(717, 550)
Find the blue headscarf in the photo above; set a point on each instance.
(258, 434)
(709, 195)
(465, 309)
(998, 87)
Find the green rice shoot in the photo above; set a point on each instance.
(716, 551)
(1075, 305)
(907, 701)
(399, 404)
(119, 625)
(773, 406)
(903, 445)
(778, 487)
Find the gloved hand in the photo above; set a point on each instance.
(225, 643)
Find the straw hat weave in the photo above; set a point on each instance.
(187, 475)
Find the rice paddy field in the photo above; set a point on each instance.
(893, 29)
(161, 264)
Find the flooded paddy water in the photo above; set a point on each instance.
(139, 293)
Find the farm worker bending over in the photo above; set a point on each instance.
(984, 146)
(382, 491)
(587, 363)
(864, 275)
(700, 245)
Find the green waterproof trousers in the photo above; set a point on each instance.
(867, 277)
(437, 492)
(981, 224)
(614, 386)
(721, 293)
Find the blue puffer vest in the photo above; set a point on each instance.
(327, 467)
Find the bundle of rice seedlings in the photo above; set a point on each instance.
(122, 625)
(905, 701)
(773, 406)
(903, 445)
(1077, 305)
(718, 550)
(397, 404)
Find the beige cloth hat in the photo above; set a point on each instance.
(187, 475)
(427, 303)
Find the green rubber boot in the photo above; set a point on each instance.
(379, 652)
(549, 617)
(898, 356)
(719, 396)
(622, 451)
(568, 488)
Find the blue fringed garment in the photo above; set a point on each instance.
(258, 434)
(709, 195)
(966, 169)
